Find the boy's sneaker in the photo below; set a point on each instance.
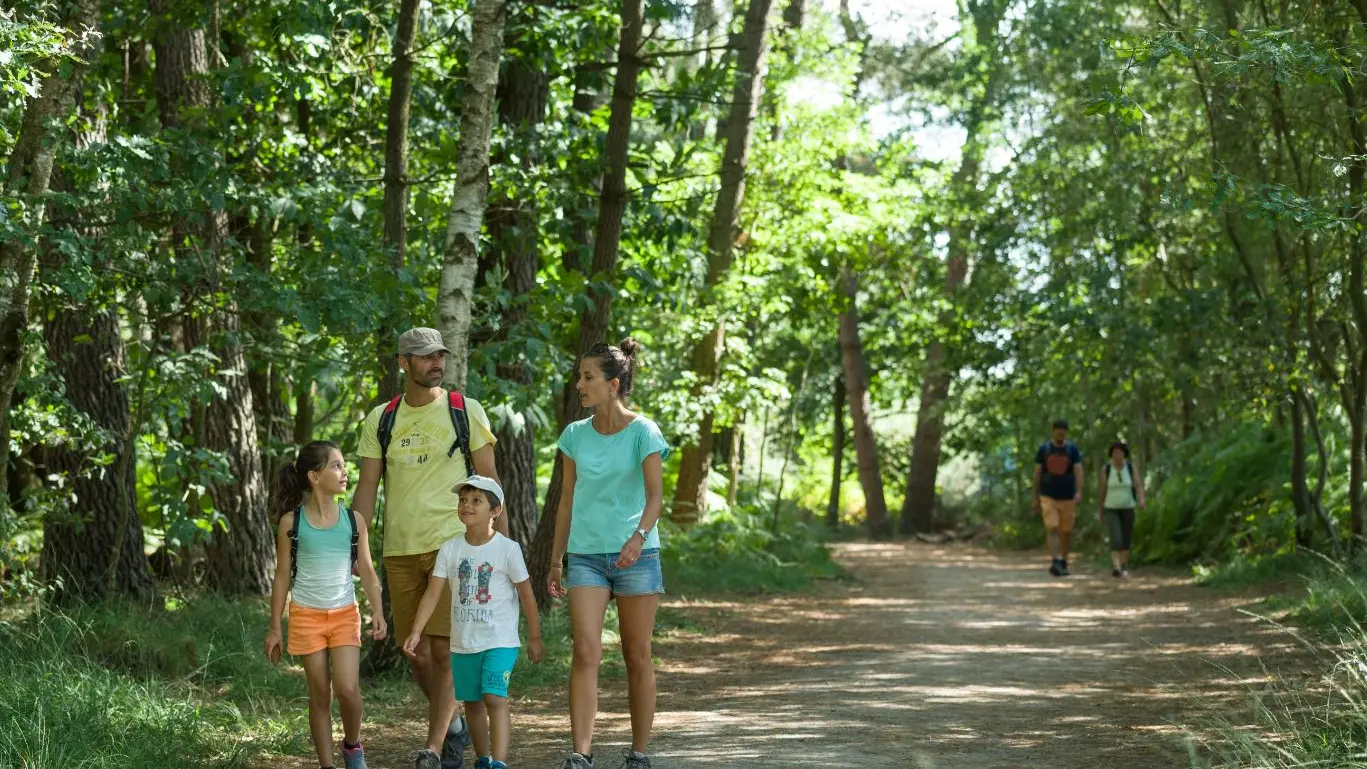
(1054, 568)
(498, 765)
(428, 759)
(577, 761)
(1063, 567)
(484, 762)
(353, 758)
(633, 760)
(453, 747)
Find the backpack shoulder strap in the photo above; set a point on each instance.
(461, 421)
(355, 533)
(385, 432)
(294, 544)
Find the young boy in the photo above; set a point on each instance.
(490, 578)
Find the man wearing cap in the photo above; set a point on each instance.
(420, 469)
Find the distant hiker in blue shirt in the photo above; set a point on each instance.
(1058, 489)
(610, 501)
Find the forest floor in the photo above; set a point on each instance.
(931, 657)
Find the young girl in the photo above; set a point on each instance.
(316, 545)
(488, 579)
(610, 501)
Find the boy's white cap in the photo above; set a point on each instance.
(483, 483)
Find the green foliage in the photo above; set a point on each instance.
(739, 551)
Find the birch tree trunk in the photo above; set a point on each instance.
(29, 172)
(460, 255)
(690, 497)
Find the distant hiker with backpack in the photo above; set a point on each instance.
(1122, 490)
(318, 544)
(422, 443)
(1058, 489)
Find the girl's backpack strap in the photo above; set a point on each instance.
(294, 544)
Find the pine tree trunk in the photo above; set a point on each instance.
(837, 455)
(29, 172)
(593, 322)
(460, 254)
(396, 187)
(98, 545)
(690, 496)
(865, 443)
(513, 229)
(918, 504)
(240, 559)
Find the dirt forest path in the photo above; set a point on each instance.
(934, 657)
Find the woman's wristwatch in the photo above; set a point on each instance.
(645, 535)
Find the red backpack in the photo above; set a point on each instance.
(459, 419)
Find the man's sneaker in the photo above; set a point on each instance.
(1063, 567)
(453, 747)
(577, 761)
(1125, 572)
(633, 760)
(1054, 568)
(353, 758)
(1115, 573)
(428, 759)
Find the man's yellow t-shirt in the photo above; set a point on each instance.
(421, 511)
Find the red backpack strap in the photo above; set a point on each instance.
(461, 421)
(385, 432)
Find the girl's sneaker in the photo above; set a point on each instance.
(354, 758)
(633, 760)
(577, 761)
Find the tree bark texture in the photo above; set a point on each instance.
(593, 321)
(865, 443)
(460, 254)
(690, 497)
(918, 504)
(29, 172)
(239, 557)
(513, 229)
(837, 454)
(98, 544)
(396, 186)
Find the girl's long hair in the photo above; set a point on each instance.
(292, 483)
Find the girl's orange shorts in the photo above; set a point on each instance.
(313, 630)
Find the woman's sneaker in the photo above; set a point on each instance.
(353, 758)
(633, 760)
(577, 761)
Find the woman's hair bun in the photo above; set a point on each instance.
(629, 347)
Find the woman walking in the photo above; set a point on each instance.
(1121, 493)
(609, 503)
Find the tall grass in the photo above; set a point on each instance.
(738, 551)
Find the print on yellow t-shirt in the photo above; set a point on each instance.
(420, 508)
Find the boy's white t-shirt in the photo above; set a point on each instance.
(484, 601)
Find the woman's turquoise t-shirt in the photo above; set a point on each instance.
(610, 485)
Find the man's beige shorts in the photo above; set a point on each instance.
(1057, 513)
(407, 576)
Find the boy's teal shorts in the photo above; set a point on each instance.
(481, 673)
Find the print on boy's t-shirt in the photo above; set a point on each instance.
(484, 601)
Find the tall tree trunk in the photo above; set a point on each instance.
(918, 505)
(513, 229)
(240, 559)
(837, 454)
(735, 459)
(98, 546)
(1356, 383)
(690, 496)
(29, 172)
(460, 255)
(865, 443)
(396, 186)
(593, 321)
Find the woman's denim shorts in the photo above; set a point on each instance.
(601, 570)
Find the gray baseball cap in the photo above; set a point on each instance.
(482, 482)
(421, 341)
